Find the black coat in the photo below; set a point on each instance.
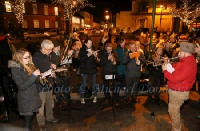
(107, 66)
(87, 64)
(43, 63)
(28, 97)
(5, 52)
(133, 70)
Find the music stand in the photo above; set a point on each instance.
(112, 99)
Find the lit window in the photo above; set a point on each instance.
(56, 24)
(8, 6)
(46, 23)
(23, 8)
(56, 10)
(34, 8)
(36, 23)
(46, 10)
(24, 24)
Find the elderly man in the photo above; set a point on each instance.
(181, 76)
(43, 63)
(133, 72)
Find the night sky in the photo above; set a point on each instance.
(102, 5)
(110, 5)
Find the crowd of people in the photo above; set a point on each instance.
(122, 66)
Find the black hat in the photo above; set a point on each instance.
(56, 43)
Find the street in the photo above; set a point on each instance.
(144, 116)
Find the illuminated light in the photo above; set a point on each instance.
(70, 7)
(17, 7)
(185, 13)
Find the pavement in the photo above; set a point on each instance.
(143, 116)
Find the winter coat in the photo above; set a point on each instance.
(133, 70)
(121, 69)
(87, 64)
(107, 66)
(156, 72)
(28, 97)
(43, 63)
(184, 75)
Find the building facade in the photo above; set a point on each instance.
(141, 16)
(37, 16)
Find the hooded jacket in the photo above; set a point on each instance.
(184, 75)
(28, 97)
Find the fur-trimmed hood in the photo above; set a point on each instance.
(12, 63)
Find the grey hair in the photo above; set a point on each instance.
(47, 44)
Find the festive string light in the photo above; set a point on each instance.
(70, 7)
(186, 13)
(18, 7)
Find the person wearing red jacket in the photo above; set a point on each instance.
(181, 76)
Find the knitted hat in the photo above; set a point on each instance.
(187, 47)
(56, 43)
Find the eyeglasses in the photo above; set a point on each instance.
(28, 57)
(49, 50)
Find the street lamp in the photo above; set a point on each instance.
(107, 17)
(161, 9)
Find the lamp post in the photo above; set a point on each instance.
(152, 26)
(107, 17)
(161, 9)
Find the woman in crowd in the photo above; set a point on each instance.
(88, 57)
(24, 75)
(155, 74)
(105, 39)
(109, 61)
(121, 69)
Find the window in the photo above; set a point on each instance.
(143, 7)
(24, 24)
(23, 8)
(8, 6)
(56, 10)
(46, 10)
(56, 24)
(36, 23)
(46, 23)
(34, 8)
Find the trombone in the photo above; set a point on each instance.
(161, 61)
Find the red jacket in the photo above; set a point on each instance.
(184, 75)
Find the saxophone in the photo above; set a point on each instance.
(42, 80)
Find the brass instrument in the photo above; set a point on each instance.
(65, 61)
(161, 61)
(42, 80)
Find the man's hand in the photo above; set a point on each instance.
(53, 66)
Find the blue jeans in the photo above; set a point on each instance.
(84, 78)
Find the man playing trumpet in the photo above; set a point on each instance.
(180, 81)
(42, 62)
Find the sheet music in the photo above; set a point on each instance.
(47, 73)
(61, 69)
(170, 69)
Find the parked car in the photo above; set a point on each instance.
(51, 33)
(33, 34)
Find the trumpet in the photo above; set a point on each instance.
(42, 80)
(162, 61)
